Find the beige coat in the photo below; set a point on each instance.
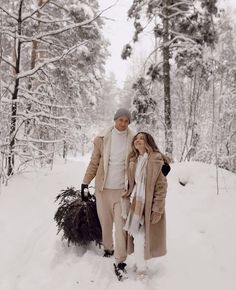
(98, 165)
(156, 187)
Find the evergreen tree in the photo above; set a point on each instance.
(182, 30)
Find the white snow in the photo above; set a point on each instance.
(201, 235)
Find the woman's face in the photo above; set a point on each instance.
(139, 143)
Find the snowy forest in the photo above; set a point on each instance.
(55, 94)
(66, 66)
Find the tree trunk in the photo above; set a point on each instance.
(166, 78)
(11, 156)
(34, 59)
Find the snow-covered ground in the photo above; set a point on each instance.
(201, 235)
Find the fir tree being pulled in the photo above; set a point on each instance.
(77, 217)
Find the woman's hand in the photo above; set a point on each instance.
(124, 194)
(155, 217)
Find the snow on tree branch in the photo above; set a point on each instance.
(29, 139)
(7, 62)
(28, 95)
(47, 62)
(50, 21)
(35, 11)
(42, 114)
(13, 16)
(186, 2)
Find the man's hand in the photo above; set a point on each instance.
(165, 168)
(83, 187)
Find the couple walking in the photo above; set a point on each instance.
(130, 193)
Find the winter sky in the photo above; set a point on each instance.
(119, 31)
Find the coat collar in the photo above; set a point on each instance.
(107, 132)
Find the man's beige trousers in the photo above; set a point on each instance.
(109, 212)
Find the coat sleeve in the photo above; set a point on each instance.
(159, 196)
(94, 161)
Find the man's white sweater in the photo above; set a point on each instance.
(116, 165)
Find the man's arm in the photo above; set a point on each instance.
(94, 161)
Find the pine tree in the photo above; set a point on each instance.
(182, 30)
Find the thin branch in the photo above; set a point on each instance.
(40, 140)
(41, 114)
(36, 11)
(28, 96)
(180, 3)
(50, 21)
(59, 6)
(9, 14)
(178, 37)
(8, 62)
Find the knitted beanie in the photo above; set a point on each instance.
(122, 112)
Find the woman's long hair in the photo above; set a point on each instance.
(150, 146)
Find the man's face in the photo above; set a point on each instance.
(122, 123)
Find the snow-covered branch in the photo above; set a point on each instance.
(29, 139)
(13, 16)
(59, 6)
(46, 62)
(7, 62)
(28, 95)
(176, 14)
(179, 37)
(35, 11)
(186, 2)
(50, 21)
(42, 114)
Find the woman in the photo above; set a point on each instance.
(147, 186)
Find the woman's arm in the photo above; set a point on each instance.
(159, 196)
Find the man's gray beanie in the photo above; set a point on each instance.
(122, 112)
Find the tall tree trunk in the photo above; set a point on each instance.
(166, 77)
(34, 59)
(11, 156)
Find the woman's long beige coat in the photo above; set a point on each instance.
(156, 187)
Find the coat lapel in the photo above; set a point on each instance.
(106, 152)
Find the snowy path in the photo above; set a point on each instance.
(201, 236)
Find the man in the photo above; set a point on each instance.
(108, 165)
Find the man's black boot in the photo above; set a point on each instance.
(120, 271)
(108, 253)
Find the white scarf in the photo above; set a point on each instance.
(135, 215)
